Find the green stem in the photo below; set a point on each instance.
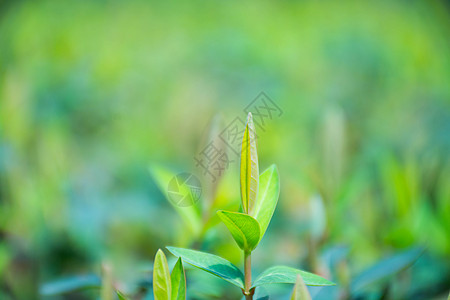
(248, 276)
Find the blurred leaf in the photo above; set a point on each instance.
(121, 296)
(161, 277)
(70, 284)
(282, 274)
(385, 268)
(189, 214)
(269, 191)
(300, 291)
(318, 219)
(212, 137)
(244, 229)
(261, 294)
(213, 264)
(107, 292)
(178, 280)
(249, 167)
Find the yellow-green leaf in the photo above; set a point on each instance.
(244, 229)
(178, 280)
(249, 167)
(269, 190)
(300, 290)
(161, 277)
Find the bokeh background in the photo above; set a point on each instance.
(97, 95)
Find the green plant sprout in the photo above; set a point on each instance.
(259, 197)
(166, 285)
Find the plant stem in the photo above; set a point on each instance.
(248, 275)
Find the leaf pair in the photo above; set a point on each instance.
(168, 286)
(248, 230)
(251, 228)
(224, 269)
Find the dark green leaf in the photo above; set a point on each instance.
(213, 264)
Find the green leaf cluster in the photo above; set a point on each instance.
(259, 195)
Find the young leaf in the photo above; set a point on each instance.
(161, 277)
(249, 167)
(269, 190)
(178, 280)
(300, 291)
(213, 264)
(282, 274)
(189, 214)
(121, 296)
(244, 229)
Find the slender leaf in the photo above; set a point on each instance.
(178, 280)
(385, 268)
(300, 290)
(213, 264)
(189, 214)
(121, 296)
(282, 274)
(161, 277)
(269, 190)
(249, 167)
(244, 229)
(70, 284)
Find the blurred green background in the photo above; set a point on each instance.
(94, 93)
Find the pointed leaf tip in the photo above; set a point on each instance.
(249, 167)
(161, 277)
(300, 290)
(178, 280)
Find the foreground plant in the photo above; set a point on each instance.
(166, 285)
(259, 196)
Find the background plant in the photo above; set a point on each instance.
(92, 97)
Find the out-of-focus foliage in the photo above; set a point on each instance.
(93, 93)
